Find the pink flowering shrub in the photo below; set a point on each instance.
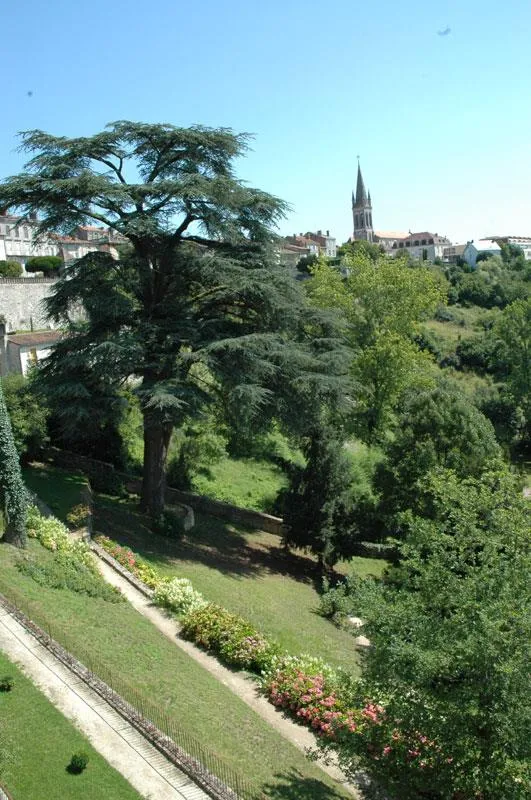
(141, 569)
(309, 690)
(230, 636)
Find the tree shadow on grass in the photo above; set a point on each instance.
(294, 786)
(237, 552)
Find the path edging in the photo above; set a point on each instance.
(207, 781)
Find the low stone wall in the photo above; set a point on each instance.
(204, 505)
(215, 508)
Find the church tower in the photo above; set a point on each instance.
(362, 211)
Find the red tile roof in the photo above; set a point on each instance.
(34, 339)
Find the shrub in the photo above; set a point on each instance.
(169, 524)
(78, 516)
(179, 596)
(143, 571)
(78, 763)
(66, 571)
(10, 269)
(54, 536)
(310, 690)
(6, 683)
(49, 265)
(233, 638)
(338, 602)
(28, 415)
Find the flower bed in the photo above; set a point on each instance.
(230, 636)
(307, 688)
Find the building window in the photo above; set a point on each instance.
(417, 243)
(408, 244)
(424, 241)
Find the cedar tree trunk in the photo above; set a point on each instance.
(157, 435)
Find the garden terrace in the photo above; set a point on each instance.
(161, 673)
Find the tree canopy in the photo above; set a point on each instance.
(447, 673)
(381, 301)
(196, 307)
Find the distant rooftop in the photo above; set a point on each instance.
(34, 339)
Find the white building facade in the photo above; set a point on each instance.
(18, 240)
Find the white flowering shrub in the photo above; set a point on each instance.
(179, 596)
(54, 536)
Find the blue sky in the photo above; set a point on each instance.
(442, 123)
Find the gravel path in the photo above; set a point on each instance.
(149, 772)
(243, 687)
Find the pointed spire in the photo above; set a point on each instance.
(361, 194)
(370, 203)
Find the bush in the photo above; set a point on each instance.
(66, 571)
(6, 683)
(179, 596)
(310, 690)
(10, 269)
(78, 763)
(169, 524)
(233, 638)
(49, 265)
(141, 569)
(28, 415)
(338, 602)
(78, 516)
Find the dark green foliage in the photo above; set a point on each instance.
(10, 269)
(169, 524)
(340, 601)
(196, 308)
(317, 505)
(305, 264)
(512, 331)
(78, 763)
(86, 407)
(477, 353)
(49, 265)
(28, 414)
(437, 427)
(450, 631)
(6, 683)
(194, 448)
(13, 494)
(64, 571)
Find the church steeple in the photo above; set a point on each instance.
(362, 210)
(361, 194)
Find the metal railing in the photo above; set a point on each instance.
(205, 767)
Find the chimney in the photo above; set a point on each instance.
(328, 233)
(319, 233)
(33, 216)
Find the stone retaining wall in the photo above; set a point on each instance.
(21, 302)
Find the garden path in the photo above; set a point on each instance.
(147, 770)
(244, 687)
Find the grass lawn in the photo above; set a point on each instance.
(463, 326)
(247, 572)
(243, 482)
(39, 742)
(59, 489)
(123, 641)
